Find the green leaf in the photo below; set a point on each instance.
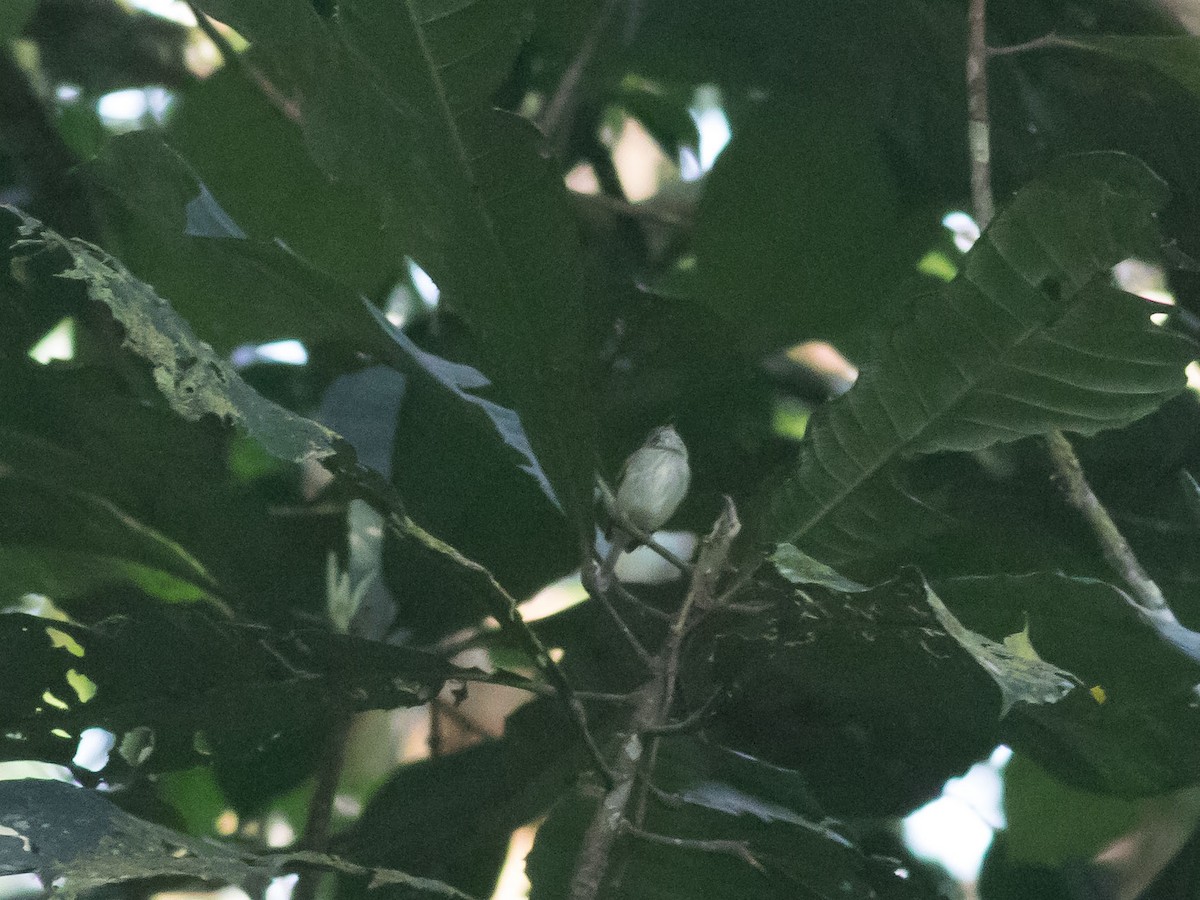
(1129, 729)
(798, 234)
(63, 573)
(843, 687)
(103, 489)
(257, 164)
(800, 568)
(451, 816)
(1050, 823)
(231, 286)
(465, 467)
(195, 687)
(195, 381)
(1018, 671)
(1030, 337)
(397, 97)
(78, 840)
(840, 684)
(1175, 56)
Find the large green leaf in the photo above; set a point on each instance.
(798, 234)
(841, 681)
(80, 841)
(102, 488)
(1030, 337)
(1131, 726)
(195, 687)
(396, 96)
(842, 686)
(451, 817)
(233, 286)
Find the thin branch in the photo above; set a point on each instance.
(379, 493)
(1116, 549)
(461, 719)
(1045, 42)
(979, 134)
(690, 722)
(1067, 468)
(320, 806)
(555, 120)
(642, 606)
(276, 97)
(630, 638)
(506, 610)
(654, 705)
(642, 211)
(378, 877)
(623, 524)
(599, 697)
(740, 849)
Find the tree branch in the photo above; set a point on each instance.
(320, 807)
(375, 490)
(1113, 544)
(979, 129)
(1062, 456)
(651, 714)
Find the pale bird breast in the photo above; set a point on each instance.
(654, 488)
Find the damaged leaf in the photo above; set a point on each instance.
(195, 381)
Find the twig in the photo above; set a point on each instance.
(643, 607)
(740, 849)
(642, 537)
(1113, 544)
(320, 807)
(979, 132)
(1046, 42)
(375, 490)
(626, 699)
(378, 877)
(461, 719)
(645, 210)
(654, 705)
(556, 117)
(276, 97)
(507, 612)
(590, 576)
(689, 722)
(1067, 468)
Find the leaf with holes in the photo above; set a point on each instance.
(195, 381)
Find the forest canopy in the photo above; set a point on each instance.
(346, 344)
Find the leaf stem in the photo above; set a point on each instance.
(555, 121)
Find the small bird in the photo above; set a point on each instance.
(654, 482)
